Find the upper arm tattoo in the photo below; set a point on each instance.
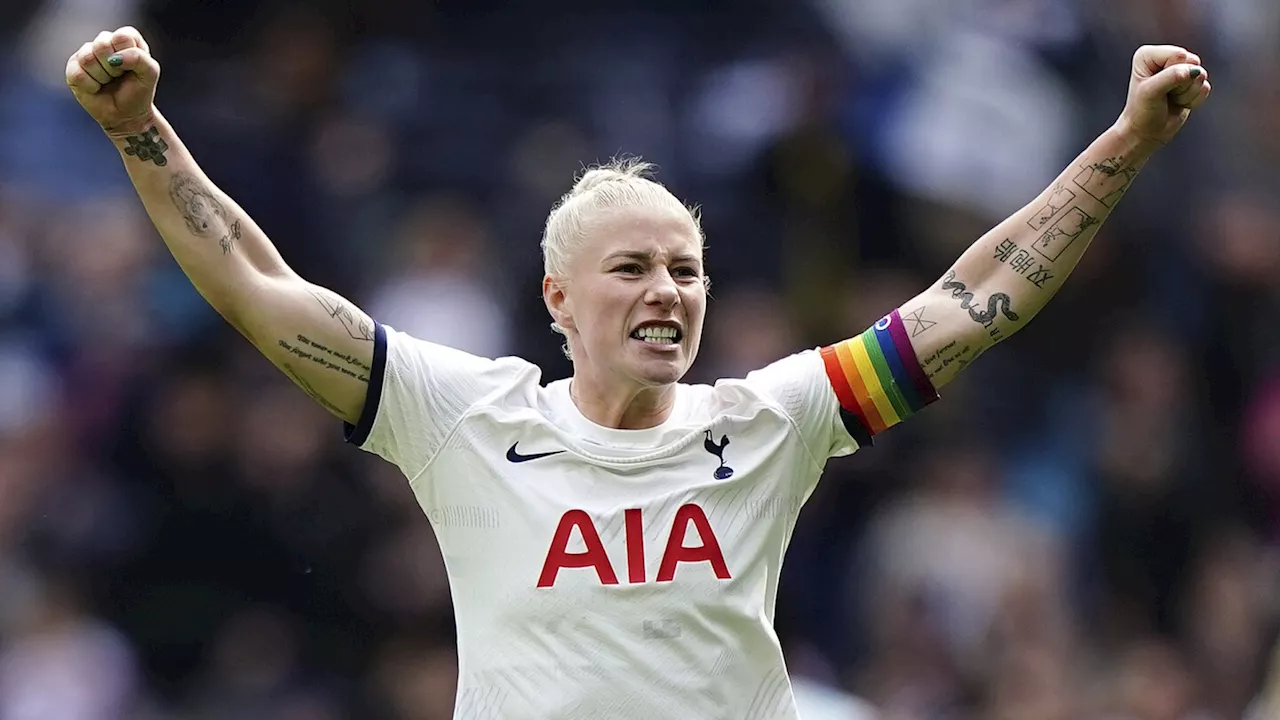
(204, 214)
(306, 348)
(309, 389)
(353, 322)
(357, 325)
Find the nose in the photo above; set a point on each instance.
(662, 292)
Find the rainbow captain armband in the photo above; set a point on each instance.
(877, 378)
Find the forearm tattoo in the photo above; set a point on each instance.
(1063, 218)
(1023, 263)
(953, 353)
(998, 304)
(1058, 236)
(204, 214)
(1059, 197)
(1107, 181)
(148, 145)
(917, 323)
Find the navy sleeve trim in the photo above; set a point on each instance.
(856, 429)
(358, 434)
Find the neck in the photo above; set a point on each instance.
(633, 408)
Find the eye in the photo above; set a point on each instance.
(630, 269)
(689, 273)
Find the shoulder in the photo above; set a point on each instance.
(424, 367)
(776, 379)
(405, 347)
(773, 389)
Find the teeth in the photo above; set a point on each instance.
(656, 334)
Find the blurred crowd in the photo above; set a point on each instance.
(1086, 527)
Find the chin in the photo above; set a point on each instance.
(659, 376)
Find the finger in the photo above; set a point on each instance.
(127, 37)
(78, 79)
(89, 64)
(102, 50)
(1173, 79)
(1199, 99)
(1183, 97)
(1158, 57)
(137, 61)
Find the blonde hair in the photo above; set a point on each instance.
(619, 183)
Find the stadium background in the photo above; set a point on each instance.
(1085, 527)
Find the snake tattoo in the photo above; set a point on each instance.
(998, 302)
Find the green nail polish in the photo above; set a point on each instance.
(115, 60)
(1195, 73)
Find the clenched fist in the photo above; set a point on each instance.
(1166, 84)
(114, 78)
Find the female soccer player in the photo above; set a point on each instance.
(614, 540)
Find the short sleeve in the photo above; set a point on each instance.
(418, 392)
(840, 396)
(798, 385)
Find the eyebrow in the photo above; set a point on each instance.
(647, 257)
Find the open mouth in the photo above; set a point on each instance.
(658, 333)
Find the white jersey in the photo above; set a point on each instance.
(604, 573)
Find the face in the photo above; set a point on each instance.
(635, 299)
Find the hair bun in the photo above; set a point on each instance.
(618, 170)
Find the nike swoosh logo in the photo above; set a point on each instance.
(516, 457)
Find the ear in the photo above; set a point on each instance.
(557, 302)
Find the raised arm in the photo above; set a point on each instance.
(1011, 273)
(320, 340)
